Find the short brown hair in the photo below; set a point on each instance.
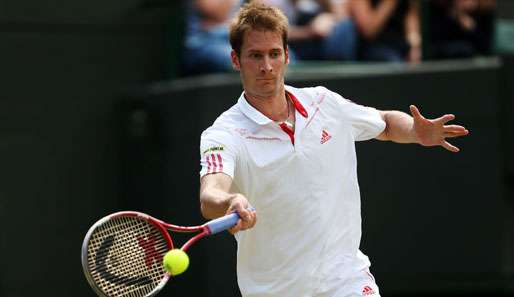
(257, 16)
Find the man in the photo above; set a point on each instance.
(290, 153)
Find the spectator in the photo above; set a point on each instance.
(389, 30)
(319, 30)
(461, 28)
(206, 47)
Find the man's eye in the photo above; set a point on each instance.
(275, 54)
(255, 55)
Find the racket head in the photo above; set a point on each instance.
(122, 255)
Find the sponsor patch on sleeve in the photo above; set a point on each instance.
(218, 148)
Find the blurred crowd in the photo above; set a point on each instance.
(348, 30)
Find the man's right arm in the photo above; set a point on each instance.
(216, 201)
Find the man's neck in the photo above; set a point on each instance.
(274, 107)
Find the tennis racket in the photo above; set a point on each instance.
(122, 253)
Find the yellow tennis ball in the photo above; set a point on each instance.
(175, 261)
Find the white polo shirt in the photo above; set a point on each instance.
(307, 236)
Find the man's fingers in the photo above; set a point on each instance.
(253, 219)
(455, 134)
(454, 131)
(445, 119)
(236, 228)
(454, 128)
(449, 147)
(247, 220)
(244, 214)
(415, 112)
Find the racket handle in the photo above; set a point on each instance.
(224, 223)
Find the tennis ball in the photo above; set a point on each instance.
(175, 261)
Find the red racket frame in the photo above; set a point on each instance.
(164, 227)
(211, 227)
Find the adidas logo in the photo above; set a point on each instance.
(367, 291)
(324, 136)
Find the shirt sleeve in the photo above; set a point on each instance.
(365, 122)
(217, 152)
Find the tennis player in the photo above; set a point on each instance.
(290, 153)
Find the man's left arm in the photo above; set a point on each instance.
(403, 128)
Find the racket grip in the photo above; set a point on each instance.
(224, 223)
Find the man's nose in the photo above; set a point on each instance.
(266, 65)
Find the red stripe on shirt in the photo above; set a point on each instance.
(208, 164)
(214, 164)
(220, 161)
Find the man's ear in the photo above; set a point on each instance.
(287, 54)
(235, 60)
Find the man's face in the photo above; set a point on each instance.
(262, 63)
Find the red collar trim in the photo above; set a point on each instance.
(288, 130)
(297, 105)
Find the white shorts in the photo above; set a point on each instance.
(361, 284)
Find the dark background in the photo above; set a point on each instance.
(86, 131)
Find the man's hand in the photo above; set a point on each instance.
(434, 132)
(240, 204)
(216, 200)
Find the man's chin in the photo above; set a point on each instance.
(264, 90)
(269, 89)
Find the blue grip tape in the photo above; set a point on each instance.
(225, 222)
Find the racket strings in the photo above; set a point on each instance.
(125, 257)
